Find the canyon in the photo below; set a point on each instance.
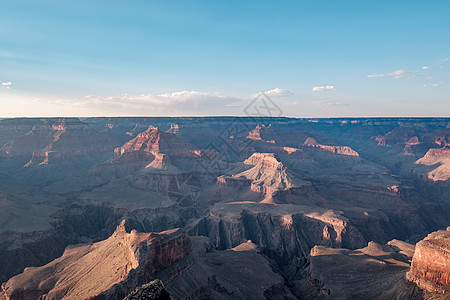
(225, 207)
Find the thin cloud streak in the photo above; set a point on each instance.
(277, 92)
(432, 85)
(323, 88)
(396, 74)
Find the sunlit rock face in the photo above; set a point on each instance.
(343, 150)
(430, 268)
(154, 140)
(439, 160)
(109, 269)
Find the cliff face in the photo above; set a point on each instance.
(293, 228)
(108, 269)
(439, 159)
(155, 141)
(160, 175)
(430, 268)
(55, 140)
(366, 273)
(342, 150)
(266, 176)
(238, 273)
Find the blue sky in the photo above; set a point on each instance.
(313, 58)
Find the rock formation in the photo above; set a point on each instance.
(440, 160)
(273, 227)
(430, 268)
(343, 150)
(367, 273)
(55, 140)
(160, 175)
(240, 273)
(150, 291)
(155, 141)
(108, 269)
(266, 176)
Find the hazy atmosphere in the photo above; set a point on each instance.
(196, 58)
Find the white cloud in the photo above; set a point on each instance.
(188, 103)
(431, 85)
(183, 103)
(323, 88)
(438, 64)
(277, 92)
(5, 85)
(395, 74)
(175, 100)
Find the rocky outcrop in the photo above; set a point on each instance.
(155, 141)
(443, 140)
(411, 146)
(434, 156)
(430, 268)
(440, 160)
(239, 273)
(230, 181)
(55, 140)
(366, 273)
(255, 134)
(342, 150)
(160, 175)
(387, 210)
(285, 232)
(266, 176)
(266, 160)
(398, 135)
(174, 128)
(263, 178)
(154, 157)
(109, 269)
(151, 291)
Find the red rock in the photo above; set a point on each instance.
(441, 159)
(430, 268)
(109, 269)
(343, 150)
(154, 141)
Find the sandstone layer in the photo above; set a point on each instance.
(108, 269)
(430, 268)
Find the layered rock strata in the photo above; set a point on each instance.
(430, 268)
(109, 269)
